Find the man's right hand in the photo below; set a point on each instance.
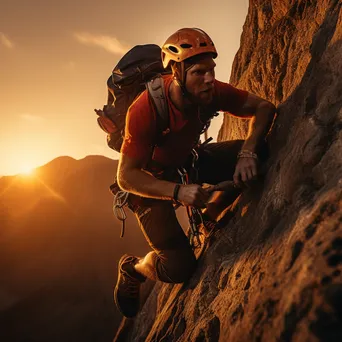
(193, 195)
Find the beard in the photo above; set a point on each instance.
(202, 97)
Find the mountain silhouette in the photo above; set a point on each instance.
(59, 248)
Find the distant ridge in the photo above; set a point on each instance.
(67, 161)
(59, 249)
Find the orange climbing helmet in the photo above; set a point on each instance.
(186, 43)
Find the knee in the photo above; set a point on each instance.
(179, 269)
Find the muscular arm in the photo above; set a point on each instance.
(133, 179)
(262, 113)
(245, 105)
(136, 151)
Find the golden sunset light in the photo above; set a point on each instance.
(54, 74)
(27, 170)
(170, 170)
(22, 163)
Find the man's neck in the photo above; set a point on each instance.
(177, 97)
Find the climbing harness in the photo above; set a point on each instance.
(186, 177)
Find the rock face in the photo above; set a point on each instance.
(274, 273)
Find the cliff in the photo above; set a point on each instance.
(274, 273)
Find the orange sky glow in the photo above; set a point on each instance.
(55, 58)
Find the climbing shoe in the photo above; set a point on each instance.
(127, 289)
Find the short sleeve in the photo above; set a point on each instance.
(228, 98)
(140, 129)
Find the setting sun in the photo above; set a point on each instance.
(27, 170)
(24, 163)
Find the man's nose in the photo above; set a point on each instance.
(209, 77)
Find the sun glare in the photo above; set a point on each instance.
(27, 170)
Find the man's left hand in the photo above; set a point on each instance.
(245, 170)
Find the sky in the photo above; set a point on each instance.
(56, 56)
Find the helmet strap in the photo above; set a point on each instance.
(179, 73)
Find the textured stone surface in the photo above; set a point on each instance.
(280, 279)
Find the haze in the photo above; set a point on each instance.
(55, 58)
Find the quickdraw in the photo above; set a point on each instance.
(120, 200)
(193, 213)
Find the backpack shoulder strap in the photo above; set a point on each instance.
(156, 90)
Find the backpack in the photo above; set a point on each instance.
(139, 69)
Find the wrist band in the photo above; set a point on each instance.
(247, 154)
(175, 192)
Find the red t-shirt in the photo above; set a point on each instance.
(141, 132)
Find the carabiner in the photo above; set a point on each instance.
(119, 212)
(195, 157)
(183, 175)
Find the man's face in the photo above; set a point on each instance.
(200, 79)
